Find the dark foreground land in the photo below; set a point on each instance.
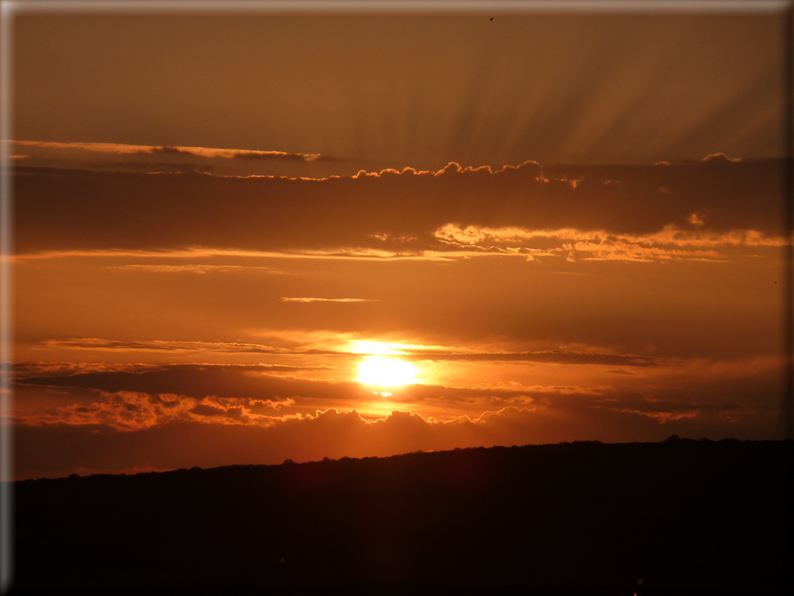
(685, 517)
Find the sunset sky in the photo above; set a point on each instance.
(542, 227)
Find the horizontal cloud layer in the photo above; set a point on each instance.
(157, 158)
(115, 417)
(414, 353)
(676, 211)
(60, 448)
(137, 396)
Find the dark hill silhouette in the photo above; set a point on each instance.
(683, 516)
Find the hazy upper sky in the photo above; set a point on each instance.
(569, 225)
(401, 90)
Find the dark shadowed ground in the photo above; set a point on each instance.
(681, 517)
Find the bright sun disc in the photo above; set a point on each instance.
(385, 372)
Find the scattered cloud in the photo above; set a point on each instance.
(719, 158)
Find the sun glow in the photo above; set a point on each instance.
(376, 347)
(386, 372)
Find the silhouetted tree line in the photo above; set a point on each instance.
(679, 517)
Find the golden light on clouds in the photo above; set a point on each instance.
(386, 372)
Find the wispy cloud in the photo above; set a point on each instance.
(547, 356)
(195, 268)
(671, 243)
(347, 345)
(123, 149)
(285, 299)
(92, 343)
(352, 253)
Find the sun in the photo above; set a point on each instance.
(386, 372)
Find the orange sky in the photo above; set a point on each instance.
(570, 225)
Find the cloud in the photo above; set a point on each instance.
(113, 430)
(157, 345)
(719, 158)
(56, 449)
(394, 214)
(152, 159)
(696, 219)
(246, 384)
(118, 148)
(197, 380)
(669, 235)
(685, 385)
(235, 153)
(123, 149)
(197, 252)
(123, 411)
(345, 345)
(195, 268)
(234, 413)
(133, 411)
(671, 243)
(623, 251)
(546, 356)
(285, 299)
(180, 347)
(92, 343)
